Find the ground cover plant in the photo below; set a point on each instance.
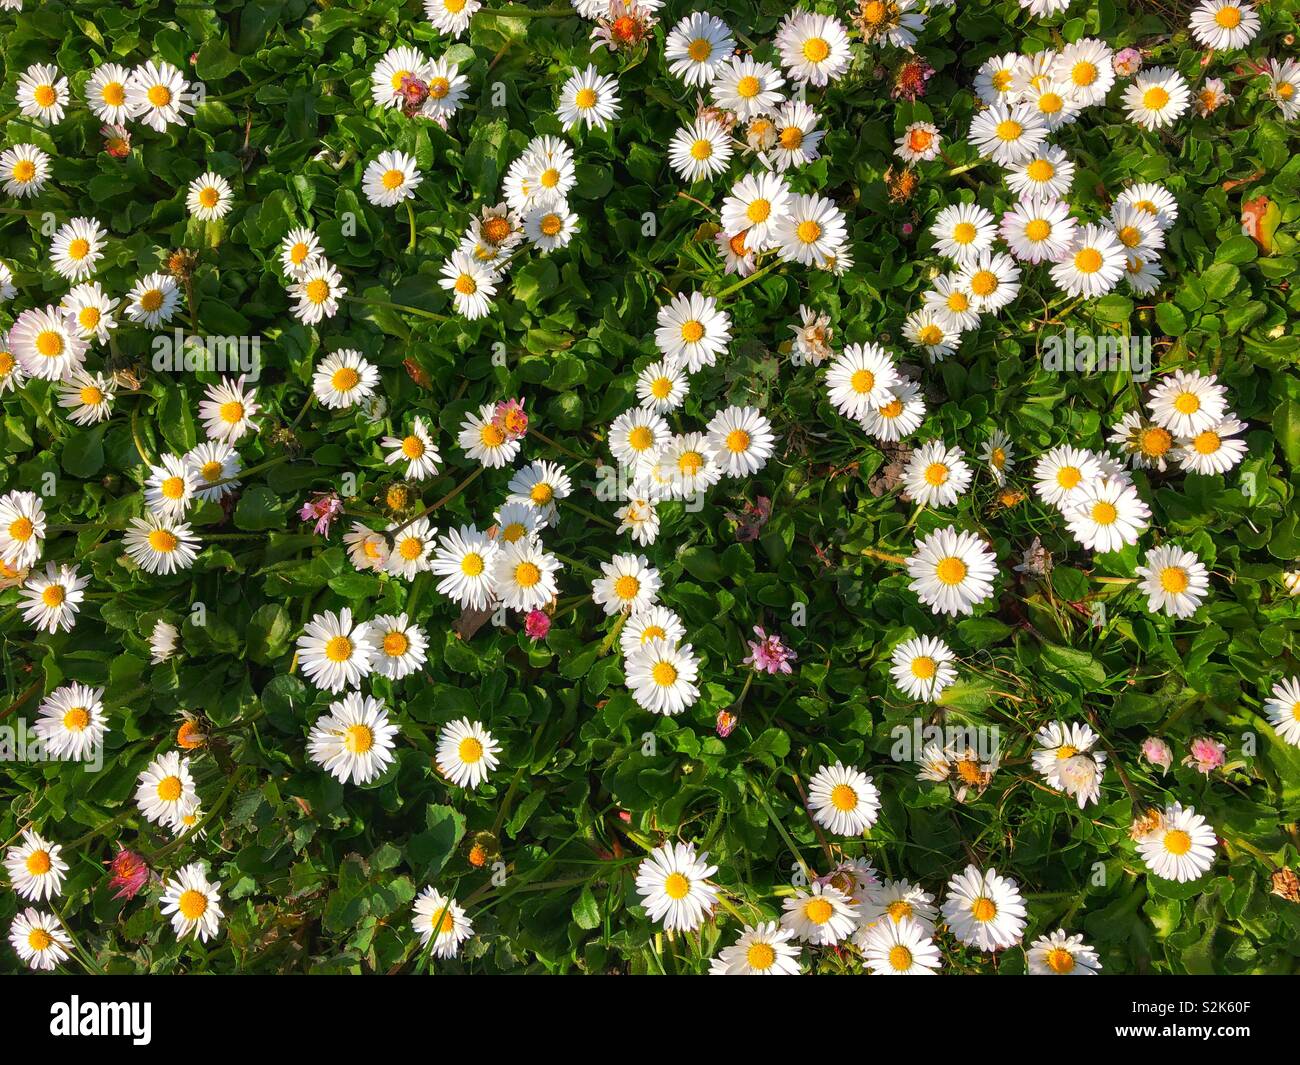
(656, 488)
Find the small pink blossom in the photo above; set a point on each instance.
(537, 624)
(130, 873)
(768, 654)
(1206, 755)
(323, 508)
(511, 419)
(1128, 61)
(907, 229)
(1157, 752)
(727, 722)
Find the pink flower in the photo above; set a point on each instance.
(130, 873)
(1157, 752)
(768, 654)
(537, 624)
(907, 229)
(727, 722)
(1128, 61)
(511, 419)
(1206, 755)
(910, 79)
(322, 509)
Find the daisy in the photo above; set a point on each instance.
(860, 378)
(900, 416)
(169, 487)
(697, 48)
(1224, 25)
(797, 137)
(11, 374)
(674, 888)
(1188, 403)
(193, 903)
(636, 437)
(961, 231)
(1063, 476)
(227, 410)
(700, 150)
(162, 641)
(1065, 759)
(588, 97)
(661, 676)
(992, 279)
(471, 284)
(397, 66)
(210, 197)
(1008, 133)
(343, 379)
(467, 753)
(318, 288)
(299, 251)
(447, 88)
(1093, 263)
(367, 549)
(653, 623)
(762, 950)
(1137, 230)
(1211, 96)
(47, 344)
(1045, 175)
(895, 901)
(822, 915)
(662, 386)
(354, 740)
(464, 559)
(22, 529)
(485, 441)
(165, 789)
(811, 231)
(152, 300)
(738, 257)
(25, 169)
(390, 179)
(51, 600)
(1213, 450)
(106, 93)
(1283, 86)
(550, 225)
(984, 910)
(891, 22)
(215, 465)
(756, 204)
(1174, 581)
(158, 95)
(432, 909)
(71, 721)
(740, 440)
(899, 948)
(1143, 275)
(920, 143)
(814, 48)
(524, 575)
(935, 475)
(1061, 955)
(640, 517)
(1044, 8)
(451, 17)
(542, 485)
(160, 544)
(1054, 101)
(39, 939)
(1154, 199)
(413, 547)
(1283, 709)
(1087, 67)
(415, 449)
(951, 571)
(843, 800)
(1108, 516)
(1180, 846)
(747, 87)
(91, 309)
(923, 667)
(1146, 444)
(42, 94)
(950, 303)
(35, 869)
(399, 645)
(932, 332)
(687, 462)
(995, 80)
(333, 652)
(998, 453)
(76, 248)
(1157, 98)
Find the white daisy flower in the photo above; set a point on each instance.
(961, 231)
(451, 17)
(1213, 450)
(25, 169)
(484, 440)
(740, 440)
(447, 88)
(35, 869)
(76, 248)
(811, 231)
(814, 48)
(674, 888)
(640, 517)
(952, 572)
(932, 332)
(91, 309)
(1224, 25)
(756, 204)
(51, 600)
(399, 645)
(950, 303)
(165, 789)
(193, 903)
(391, 179)
(992, 279)
(662, 386)
(1153, 199)
(158, 95)
(367, 549)
(317, 290)
(464, 560)
(895, 901)
(397, 66)
(998, 453)
(1061, 955)
(515, 522)
(471, 284)
(1157, 98)
(467, 753)
(936, 475)
(415, 449)
(1283, 87)
(984, 910)
(822, 915)
(1093, 263)
(299, 251)
(210, 197)
(432, 909)
(227, 410)
(354, 741)
(798, 139)
(860, 378)
(1065, 759)
(1188, 403)
(344, 379)
(169, 488)
(920, 143)
(1174, 581)
(688, 465)
(899, 417)
(413, 548)
(549, 224)
(700, 150)
(1180, 847)
(333, 652)
(899, 948)
(525, 575)
(653, 623)
(22, 529)
(893, 23)
(628, 584)
(747, 87)
(152, 300)
(843, 800)
(1045, 175)
(1143, 275)
(162, 641)
(588, 97)
(1038, 230)
(1063, 476)
(761, 950)
(661, 676)
(1283, 709)
(47, 343)
(161, 544)
(106, 93)
(215, 465)
(1109, 516)
(692, 330)
(1008, 133)
(995, 80)
(923, 667)
(697, 48)
(1054, 101)
(1087, 66)
(71, 721)
(42, 94)
(39, 939)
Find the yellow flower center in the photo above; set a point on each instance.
(862, 381)
(808, 231)
(1207, 443)
(1177, 841)
(1104, 513)
(640, 438)
(984, 283)
(45, 96)
(702, 148)
(49, 343)
(160, 95)
(1083, 73)
(152, 300)
(317, 291)
(439, 88)
(411, 548)
(748, 87)
(1009, 130)
(1187, 403)
(392, 179)
(936, 473)
(699, 49)
(1050, 103)
(113, 94)
(900, 958)
(1228, 17)
(492, 435)
(76, 719)
(298, 254)
(984, 909)
(758, 210)
(950, 570)
(338, 649)
(791, 138)
(690, 462)
(21, 528)
(844, 798)
(815, 49)
(1040, 170)
(472, 564)
(162, 541)
(1155, 98)
(924, 667)
(192, 904)
(1060, 960)
(1174, 579)
(358, 739)
(818, 910)
(39, 940)
(413, 447)
(470, 750)
(395, 644)
(79, 248)
(527, 574)
(345, 379)
(676, 886)
(585, 99)
(627, 587)
(664, 674)
(1087, 260)
(760, 956)
(38, 863)
(24, 171)
(209, 196)
(53, 595)
(169, 789)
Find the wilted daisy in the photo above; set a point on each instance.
(42, 94)
(814, 48)
(162, 641)
(215, 464)
(1008, 133)
(1283, 709)
(525, 575)
(76, 248)
(756, 203)
(700, 150)
(812, 231)
(39, 939)
(661, 676)
(22, 529)
(106, 93)
(298, 252)
(158, 95)
(1283, 86)
(35, 869)
(697, 47)
(1213, 450)
(1157, 98)
(951, 571)
(1086, 66)
(25, 169)
(333, 652)
(317, 290)
(1093, 263)
(71, 721)
(51, 600)
(588, 97)
(193, 903)
(165, 789)
(1212, 95)
(1045, 175)
(434, 911)
(160, 544)
(471, 284)
(1147, 445)
(984, 910)
(464, 560)
(1224, 25)
(747, 87)
(451, 17)
(740, 440)
(673, 884)
(390, 179)
(822, 915)
(11, 374)
(860, 378)
(843, 800)
(227, 410)
(797, 137)
(762, 950)
(961, 231)
(899, 948)
(1179, 846)
(901, 415)
(919, 143)
(47, 343)
(467, 753)
(1174, 581)
(354, 740)
(936, 475)
(923, 667)
(640, 517)
(91, 309)
(738, 256)
(1188, 403)
(210, 197)
(992, 279)
(152, 300)
(1061, 955)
